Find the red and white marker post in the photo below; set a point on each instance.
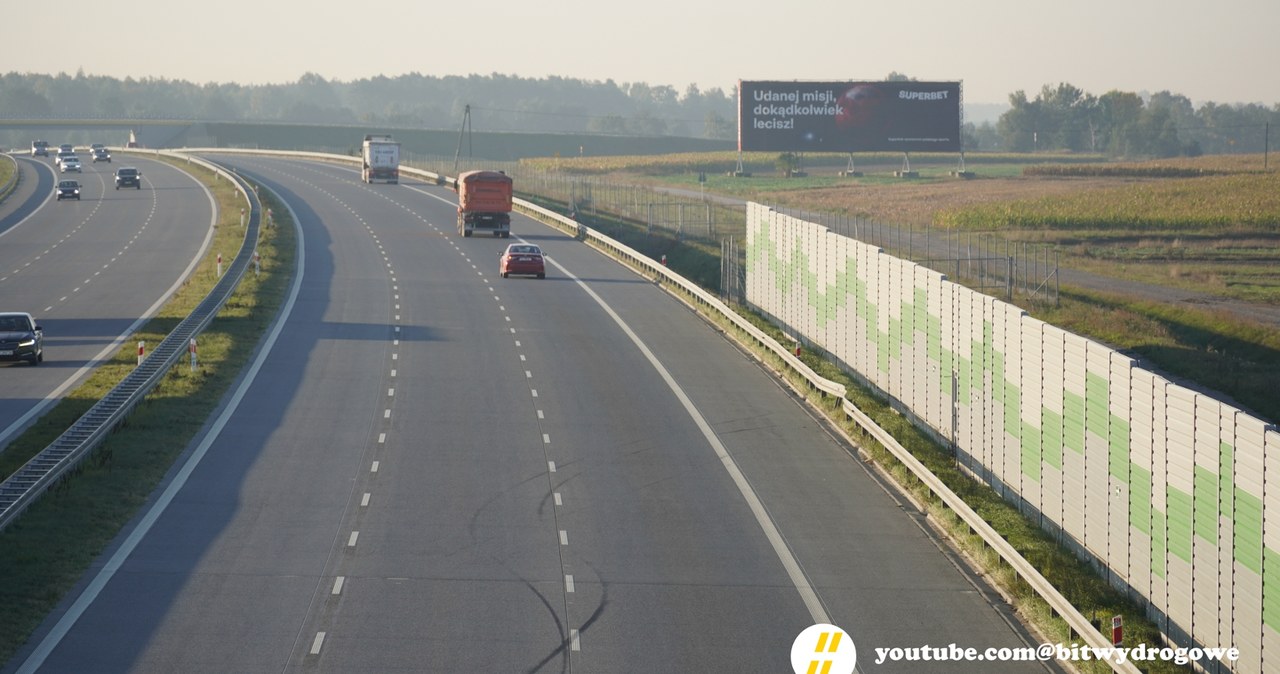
(192, 349)
(142, 352)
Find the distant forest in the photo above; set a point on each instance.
(1058, 118)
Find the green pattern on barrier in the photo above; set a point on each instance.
(1140, 499)
(1181, 512)
(1248, 530)
(1206, 504)
(1270, 587)
(1213, 497)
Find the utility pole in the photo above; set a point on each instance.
(465, 130)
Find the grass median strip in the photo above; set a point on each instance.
(48, 549)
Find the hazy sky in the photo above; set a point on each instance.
(1225, 51)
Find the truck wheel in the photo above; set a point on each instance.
(542, 275)
(466, 233)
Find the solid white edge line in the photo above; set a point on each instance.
(94, 588)
(807, 594)
(56, 395)
(789, 562)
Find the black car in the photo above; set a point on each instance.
(21, 338)
(128, 177)
(68, 189)
(39, 148)
(101, 154)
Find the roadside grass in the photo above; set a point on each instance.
(8, 167)
(46, 552)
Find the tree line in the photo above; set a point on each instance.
(1125, 124)
(498, 103)
(1058, 118)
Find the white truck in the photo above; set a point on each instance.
(381, 160)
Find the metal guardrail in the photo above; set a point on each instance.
(35, 477)
(646, 265)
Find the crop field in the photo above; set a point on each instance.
(1208, 224)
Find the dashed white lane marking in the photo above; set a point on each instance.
(564, 537)
(568, 583)
(574, 641)
(351, 542)
(364, 500)
(337, 584)
(374, 468)
(559, 501)
(382, 440)
(386, 414)
(317, 644)
(546, 439)
(792, 566)
(551, 466)
(391, 392)
(534, 391)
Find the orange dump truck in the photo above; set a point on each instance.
(484, 203)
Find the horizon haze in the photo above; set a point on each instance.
(1221, 53)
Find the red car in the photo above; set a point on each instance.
(522, 258)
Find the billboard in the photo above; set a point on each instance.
(849, 116)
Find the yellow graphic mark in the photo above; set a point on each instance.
(824, 666)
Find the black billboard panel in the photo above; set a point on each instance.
(849, 116)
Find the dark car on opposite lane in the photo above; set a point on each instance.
(128, 177)
(21, 338)
(68, 189)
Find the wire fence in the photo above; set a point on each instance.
(987, 262)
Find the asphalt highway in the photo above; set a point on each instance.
(90, 270)
(435, 469)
